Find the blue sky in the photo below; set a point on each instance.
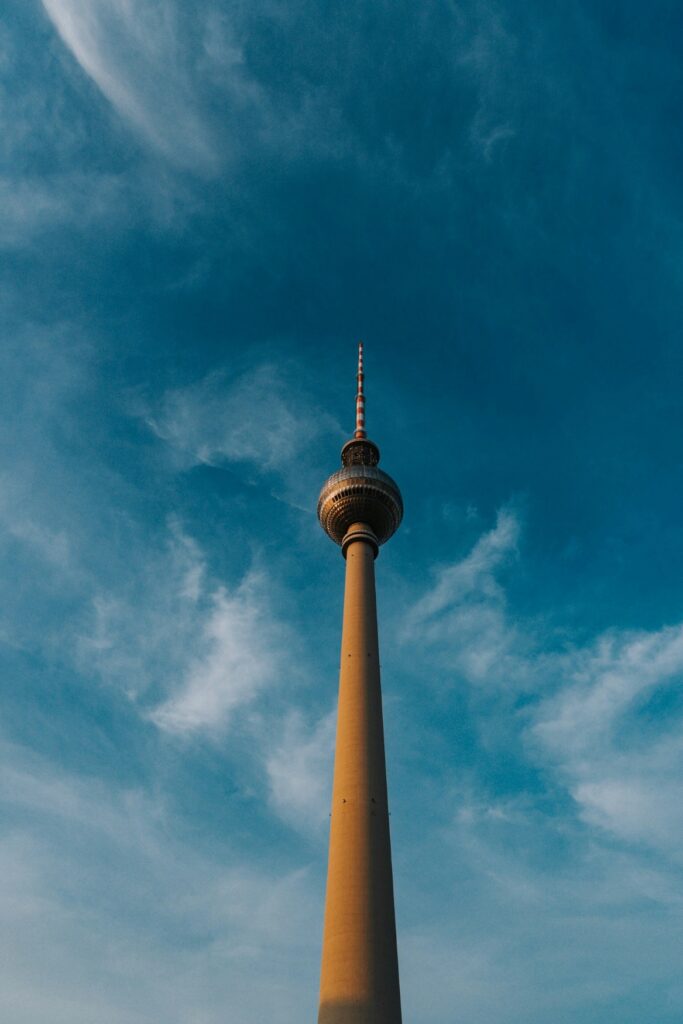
(203, 207)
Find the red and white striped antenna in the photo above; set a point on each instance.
(360, 396)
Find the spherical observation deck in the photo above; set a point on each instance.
(360, 492)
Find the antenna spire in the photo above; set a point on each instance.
(360, 396)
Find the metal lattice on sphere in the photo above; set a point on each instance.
(360, 494)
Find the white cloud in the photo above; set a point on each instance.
(590, 726)
(603, 682)
(29, 206)
(44, 372)
(52, 546)
(517, 891)
(143, 635)
(502, 920)
(260, 419)
(178, 75)
(198, 649)
(242, 653)
(490, 57)
(622, 768)
(475, 573)
(299, 767)
(248, 419)
(129, 922)
(464, 617)
(84, 202)
(137, 54)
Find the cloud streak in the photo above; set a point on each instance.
(135, 54)
(208, 648)
(595, 720)
(463, 616)
(299, 768)
(260, 419)
(242, 654)
(85, 863)
(623, 772)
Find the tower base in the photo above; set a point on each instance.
(351, 1013)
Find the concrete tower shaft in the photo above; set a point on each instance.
(359, 977)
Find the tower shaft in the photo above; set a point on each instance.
(359, 979)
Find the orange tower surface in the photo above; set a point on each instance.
(360, 507)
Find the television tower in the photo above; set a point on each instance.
(360, 507)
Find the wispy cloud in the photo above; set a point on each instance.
(463, 616)
(86, 862)
(605, 719)
(504, 916)
(52, 546)
(299, 767)
(84, 202)
(250, 418)
(242, 649)
(262, 419)
(139, 637)
(167, 70)
(29, 206)
(202, 648)
(491, 58)
(137, 55)
(613, 732)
